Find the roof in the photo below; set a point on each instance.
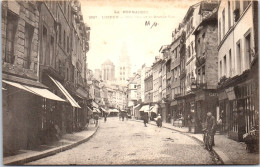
(108, 62)
(190, 11)
(211, 17)
(208, 6)
(163, 48)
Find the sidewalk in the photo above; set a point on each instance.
(67, 141)
(229, 151)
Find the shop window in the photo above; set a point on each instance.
(28, 34)
(12, 21)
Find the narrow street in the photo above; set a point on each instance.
(129, 142)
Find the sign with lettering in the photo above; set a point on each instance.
(230, 93)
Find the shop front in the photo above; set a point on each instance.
(189, 112)
(238, 105)
(28, 111)
(205, 101)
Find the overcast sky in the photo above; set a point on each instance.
(143, 42)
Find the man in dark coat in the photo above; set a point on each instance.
(211, 125)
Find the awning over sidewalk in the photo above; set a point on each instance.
(96, 110)
(82, 92)
(37, 91)
(136, 106)
(113, 110)
(145, 108)
(66, 93)
(91, 111)
(104, 110)
(94, 104)
(155, 109)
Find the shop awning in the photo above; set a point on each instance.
(155, 109)
(66, 93)
(113, 110)
(90, 110)
(37, 91)
(96, 110)
(82, 92)
(145, 108)
(104, 110)
(94, 104)
(136, 106)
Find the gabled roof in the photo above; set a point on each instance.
(211, 17)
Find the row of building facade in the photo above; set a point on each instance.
(210, 65)
(44, 70)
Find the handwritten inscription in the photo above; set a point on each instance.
(148, 24)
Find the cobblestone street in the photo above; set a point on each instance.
(129, 142)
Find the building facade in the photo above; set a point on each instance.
(148, 86)
(206, 98)
(37, 57)
(236, 53)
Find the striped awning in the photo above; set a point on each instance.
(66, 93)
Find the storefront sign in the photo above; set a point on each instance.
(173, 103)
(222, 95)
(213, 94)
(200, 97)
(230, 93)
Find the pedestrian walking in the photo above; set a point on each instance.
(96, 117)
(119, 115)
(145, 118)
(105, 117)
(241, 123)
(211, 126)
(181, 119)
(169, 118)
(159, 121)
(87, 121)
(189, 120)
(123, 116)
